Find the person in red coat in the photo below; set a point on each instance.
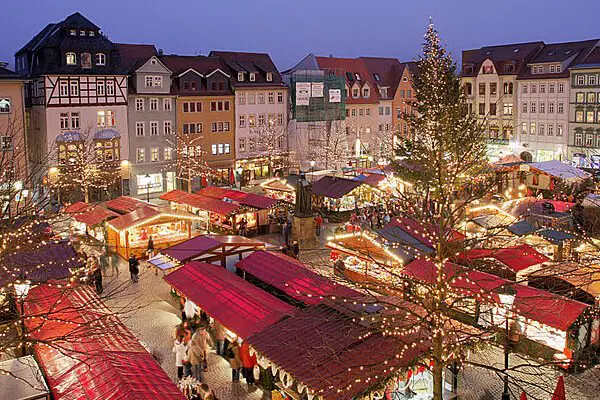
(248, 363)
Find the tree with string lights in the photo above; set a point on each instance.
(270, 141)
(330, 150)
(188, 160)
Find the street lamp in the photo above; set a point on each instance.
(22, 289)
(507, 294)
(240, 170)
(147, 187)
(312, 170)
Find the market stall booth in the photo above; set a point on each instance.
(261, 213)
(541, 212)
(322, 352)
(240, 307)
(129, 234)
(556, 244)
(283, 189)
(335, 194)
(282, 274)
(22, 379)
(216, 214)
(77, 207)
(84, 349)
(126, 204)
(566, 327)
(224, 250)
(545, 175)
(91, 222)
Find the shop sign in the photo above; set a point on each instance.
(317, 89)
(302, 93)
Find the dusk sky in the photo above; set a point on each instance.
(290, 29)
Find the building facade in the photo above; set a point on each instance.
(78, 90)
(260, 113)
(584, 115)
(152, 122)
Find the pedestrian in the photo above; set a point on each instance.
(202, 337)
(134, 268)
(97, 275)
(103, 259)
(197, 357)
(219, 332)
(183, 329)
(296, 249)
(243, 227)
(207, 393)
(235, 362)
(318, 224)
(285, 249)
(181, 355)
(189, 309)
(248, 363)
(150, 247)
(286, 233)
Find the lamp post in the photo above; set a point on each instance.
(240, 171)
(312, 170)
(147, 187)
(22, 289)
(507, 295)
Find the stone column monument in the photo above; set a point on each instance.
(303, 225)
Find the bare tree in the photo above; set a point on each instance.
(270, 141)
(188, 160)
(330, 150)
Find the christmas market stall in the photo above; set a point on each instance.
(217, 214)
(564, 326)
(91, 222)
(556, 244)
(83, 348)
(281, 274)
(360, 362)
(283, 189)
(126, 204)
(334, 194)
(240, 307)
(541, 212)
(130, 233)
(545, 175)
(261, 213)
(224, 250)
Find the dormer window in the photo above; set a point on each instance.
(377, 77)
(252, 76)
(92, 33)
(383, 92)
(365, 92)
(552, 69)
(269, 77)
(241, 77)
(71, 59)
(82, 33)
(73, 32)
(468, 70)
(100, 59)
(558, 68)
(534, 69)
(355, 93)
(357, 76)
(541, 69)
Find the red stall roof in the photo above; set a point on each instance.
(95, 215)
(173, 195)
(125, 204)
(92, 355)
(535, 304)
(334, 187)
(334, 356)
(517, 258)
(236, 304)
(77, 207)
(134, 217)
(204, 244)
(243, 198)
(292, 277)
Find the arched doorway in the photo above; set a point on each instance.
(526, 156)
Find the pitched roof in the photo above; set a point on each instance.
(519, 53)
(95, 216)
(347, 68)
(7, 74)
(334, 187)
(243, 198)
(133, 55)
(593, 59)
(576, 52)
(201, 64)
(125, 204)
(388, 70)
(238, 61)
(517, 258)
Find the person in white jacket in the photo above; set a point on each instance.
(181, 355)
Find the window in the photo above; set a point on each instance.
(468, 88)
(213, 149)
(493, 109)
(242, 145)
(100, 59)
(508, 109)
(153, 104)
(365, 92)
(592, 80)
(493, 89)
(63, 88)
(508, 88)
(409, 93)
(167, 105)
(75, 123)
(542, 107)
(481, 108)
(252, 76)
(221, 148)
(376, 77)
(111, 119)
(524, 108)
(589, 140)
(550, 129)
(560, 109)
(280, 119)
(551, 87)
(251, 120)
(380, 110)
(261, 119)
(251, 98)
(74, 88)
(153, 154)
(6, 143)
(73, 32)
(541, 129)
(561, 88)
(85, 60)
(214, 126)
(153, 128)
(271, 119)
(534, 69)
(168, 153)
(579, 97)
(580, 80)
(139, 104)
(368, 111)
(64, 121)
(269, 77)
(279, 97)
(110, 88)
(149, 81)
(533, 107)
(524, 128)
(242, 121)
(552, 69)
(271, 98)
(591, 98)
(524, 89)
(533, 88)
(482, 89)
(71, 59)
(578, 139)
(240, 77)
(140, 128)
(241, 98)
(355, 93)
(140, 155)
(167, 127)
(261, 98)
(532, 128)
(559, 130)
(589, 116)
(551, 107)
(157, 82)
(361, 112)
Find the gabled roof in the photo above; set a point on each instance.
(262, 63)
(201, 64)
(388, 70)
(125, 204)
(347, 67)
(134, 56)
(572, 52)
(517, 53)
(592, 60)
(8, 74)
(334, 187)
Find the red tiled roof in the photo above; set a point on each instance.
(341, 66)
(243, 198)
(173, 195)
(517, 258)
(201, 201)
(77, 207)
(292, 277)
(93, 356)
(333, 187)
(332, 355)
(134, 217)
(95, 216)
(236, 304)
(192, 248)
(125, 204)
(535, 304)
(389, 71)
(213, 191)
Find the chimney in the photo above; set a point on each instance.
(330, 55)
(160, 52)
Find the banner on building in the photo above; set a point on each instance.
(317, 89)
(335, 95)
(302, 93)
